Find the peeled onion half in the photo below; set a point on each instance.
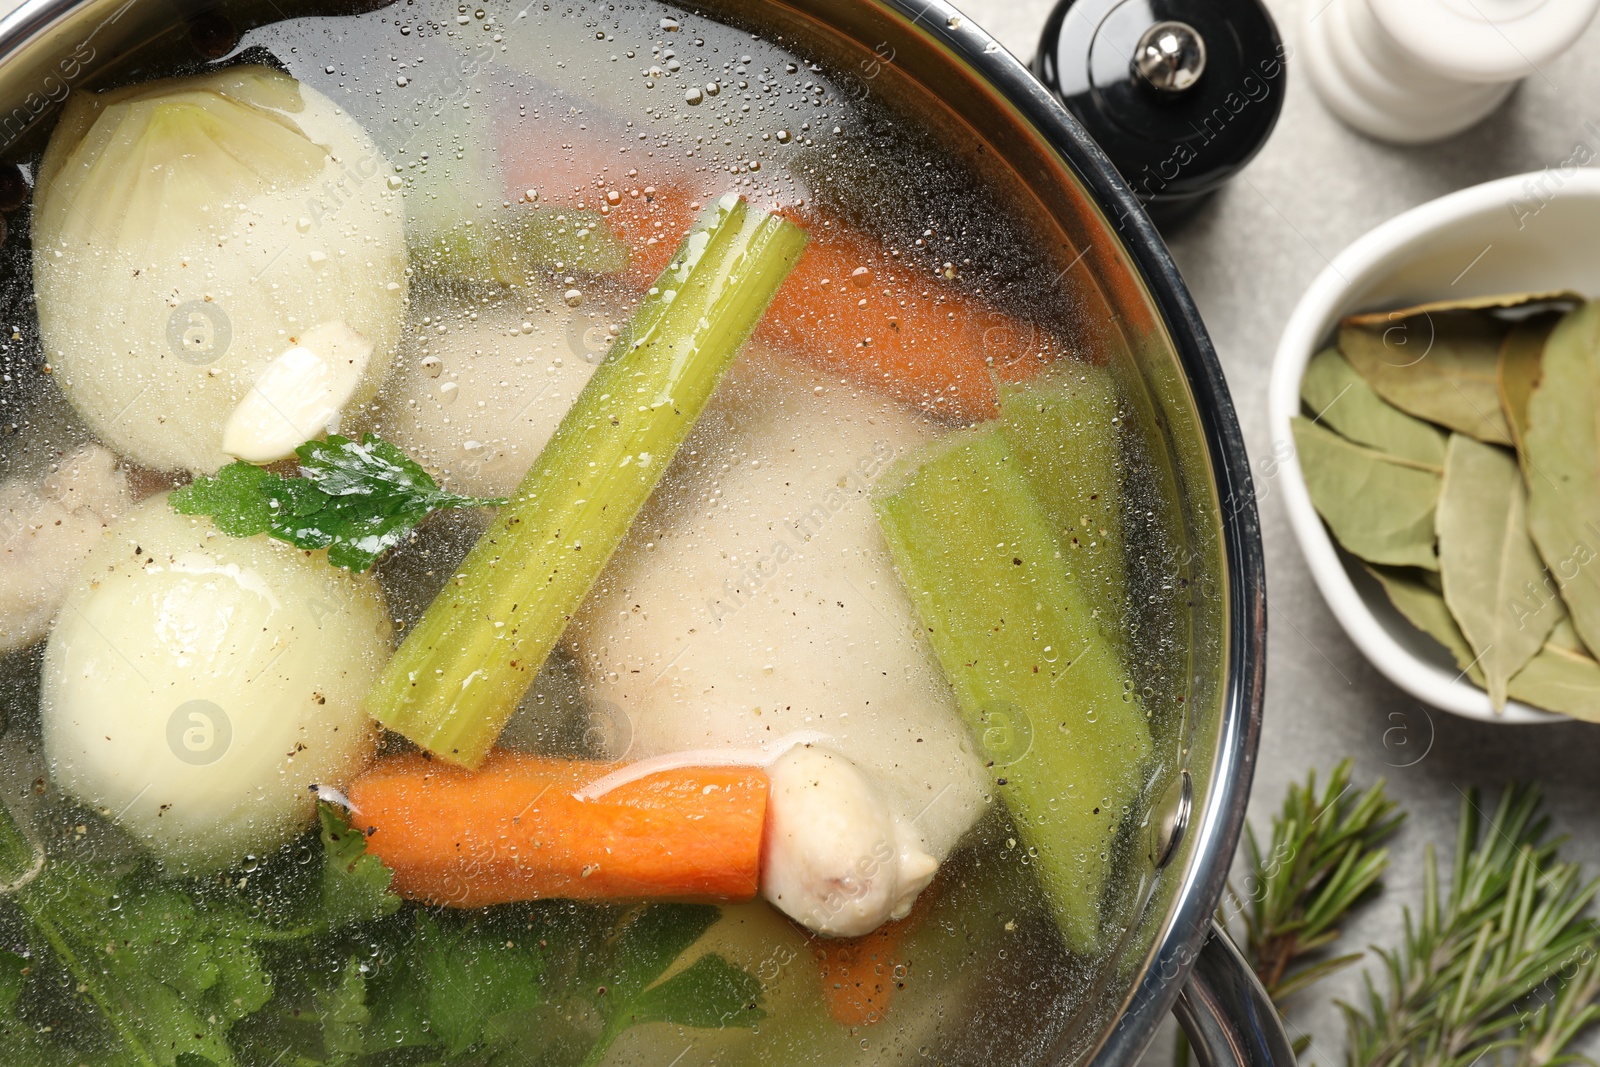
(188, 232)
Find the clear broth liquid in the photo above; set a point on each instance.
(581, 110)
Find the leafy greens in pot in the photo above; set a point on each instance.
(356, 499)
(232, 973)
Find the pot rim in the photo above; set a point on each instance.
(1222, 809)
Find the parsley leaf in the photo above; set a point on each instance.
(355, 885)
(168, 978)
(130, 970)
(709, 993)
(459, 975)
(356, 499)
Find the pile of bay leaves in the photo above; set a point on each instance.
(1454, 448)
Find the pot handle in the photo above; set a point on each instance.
(1230, 1020)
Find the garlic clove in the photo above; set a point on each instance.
(299, 395)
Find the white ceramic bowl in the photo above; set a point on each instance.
(1526, 233)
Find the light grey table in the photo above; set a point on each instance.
(1316, 187)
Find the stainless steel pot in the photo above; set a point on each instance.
(921, 58)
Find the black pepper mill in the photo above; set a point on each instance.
(1181, 94)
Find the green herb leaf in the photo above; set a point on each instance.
(1564, 465)
(649, 939)
(1488, 564)
(167, 975)
(1380, 508)
(355, 884)
(238, 499)
(1340, 398)
(344, 1014)
(357, 500)
(709, 993)
(461, 975)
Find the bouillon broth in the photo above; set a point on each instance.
(567, 533)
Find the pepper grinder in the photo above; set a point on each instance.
(1180, 94)
(1412, 71)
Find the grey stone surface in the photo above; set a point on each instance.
(1316, 187)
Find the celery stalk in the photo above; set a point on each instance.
(458, 676)
(1063, 430)
(1042, 688)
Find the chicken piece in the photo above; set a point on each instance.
(46, 529)
(474, 396)
(755, 600)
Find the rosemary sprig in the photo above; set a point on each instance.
(1324, 860)
(1502, 969)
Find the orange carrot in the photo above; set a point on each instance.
(849, 306)
(512, 830)
(860, 974)
(852, 309)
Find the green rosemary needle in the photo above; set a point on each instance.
(1323, 861)
(1501, 970)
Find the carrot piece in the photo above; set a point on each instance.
(860, 975)
(928, 343)
(512, 830)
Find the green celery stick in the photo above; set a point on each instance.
(1063, 429)
(1041, 687)
(458, 676)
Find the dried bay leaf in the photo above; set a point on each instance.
(1518, 370)
(1564, 636)
(1487, 560)
(1436, 365)
(1561, 679)
(1342, 399)
(1562, 450)
(1379, 507)
(1412, 593)
(1493, 302)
